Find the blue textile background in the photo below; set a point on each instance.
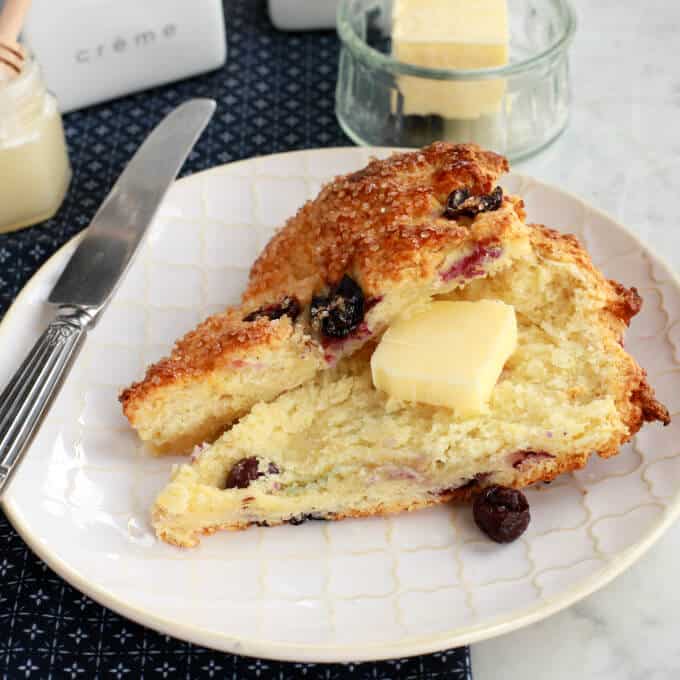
(276, 93)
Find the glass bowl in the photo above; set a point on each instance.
(516, 109)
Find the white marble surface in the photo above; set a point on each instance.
(621, 153)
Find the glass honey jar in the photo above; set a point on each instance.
(34, 167)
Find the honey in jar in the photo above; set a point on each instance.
(34, 166)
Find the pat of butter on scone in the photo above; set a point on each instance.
(450, 354)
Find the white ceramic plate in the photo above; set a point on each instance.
(352, 590)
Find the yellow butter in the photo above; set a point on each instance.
(450, 354)
(450, 34)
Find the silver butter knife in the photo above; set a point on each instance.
(93, 274)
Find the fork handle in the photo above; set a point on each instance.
(33, 387)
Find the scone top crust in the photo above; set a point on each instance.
(217, 341)
(382, 224)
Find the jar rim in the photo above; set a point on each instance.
(363, 51)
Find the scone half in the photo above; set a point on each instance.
(375, 244)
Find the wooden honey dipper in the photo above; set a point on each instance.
(12, 19)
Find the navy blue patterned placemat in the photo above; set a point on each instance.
(276, 93)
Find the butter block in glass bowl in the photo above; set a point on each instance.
(494, 72)
(450, 34)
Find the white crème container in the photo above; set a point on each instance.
(95, 50)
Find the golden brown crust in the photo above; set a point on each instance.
(649, 408)
(377, 223)
(627, 304)
(218, 341)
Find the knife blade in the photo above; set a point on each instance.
(93, 273)
(102, 257)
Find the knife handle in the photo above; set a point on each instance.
(28, 394)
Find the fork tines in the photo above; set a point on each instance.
(11, 57)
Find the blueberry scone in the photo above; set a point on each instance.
(337, 446)
(375, 244)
